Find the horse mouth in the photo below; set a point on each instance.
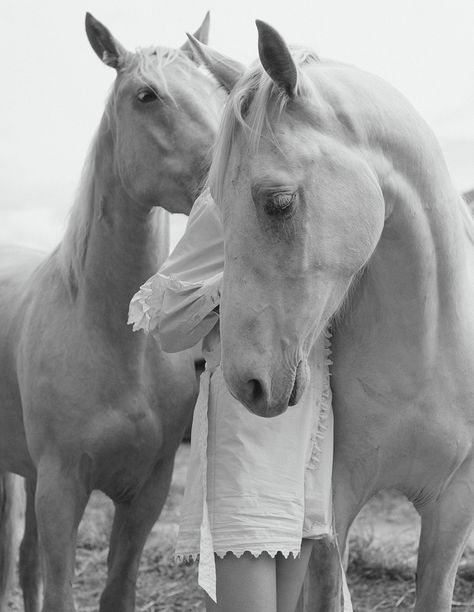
(294, 394)
(298, 385)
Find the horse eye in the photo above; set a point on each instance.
(278, 203)
(147, 95)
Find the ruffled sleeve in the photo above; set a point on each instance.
(178, 303)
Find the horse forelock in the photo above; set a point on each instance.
(148, 66)
(254, 100)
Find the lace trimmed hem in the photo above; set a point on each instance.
(192, 557)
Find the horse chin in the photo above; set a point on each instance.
(268, 412)
(179, 204)
(300, 382)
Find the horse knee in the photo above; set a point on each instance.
(445, 527)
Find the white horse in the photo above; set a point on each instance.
(85, 403)
(338, 208)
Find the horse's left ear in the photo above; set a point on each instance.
(107, 48)
(276, 58)
(202, 34)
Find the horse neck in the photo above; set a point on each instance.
(126, 243)
(412, 289)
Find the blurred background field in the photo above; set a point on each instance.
(381, 571)
(54, 86)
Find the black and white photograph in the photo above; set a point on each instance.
(237, 306)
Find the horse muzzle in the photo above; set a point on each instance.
(267, 396)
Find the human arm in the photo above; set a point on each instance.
(178, 304)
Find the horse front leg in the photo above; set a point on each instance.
(60, 499)
(8, 521)
(445, 527)
(322, 588)
(30, 570)
(133, 522)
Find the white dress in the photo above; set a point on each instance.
(253, 484)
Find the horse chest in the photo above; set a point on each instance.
(414, 442)
(123, 447)
(132, 430)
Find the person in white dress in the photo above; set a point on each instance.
(258, 490)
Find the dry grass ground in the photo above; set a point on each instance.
(381, 568)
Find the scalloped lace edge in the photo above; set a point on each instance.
(238, 552)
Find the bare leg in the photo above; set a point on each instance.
(132, 524)
(290, 574)
(30, 570)
(445, 527)
(245, 584)
(60, 501)
(8, 520)
(266, 584)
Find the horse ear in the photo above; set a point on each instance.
(276, 58)
(202, 34)
(107, 48)
(226, 70)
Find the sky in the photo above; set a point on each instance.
(54, 87)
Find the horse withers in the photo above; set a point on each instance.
(85, 403)
(338, 210)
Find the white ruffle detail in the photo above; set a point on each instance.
(207, 565)
(325, 405)
(147, 305)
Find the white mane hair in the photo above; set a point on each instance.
(247, 108)
(147, 65)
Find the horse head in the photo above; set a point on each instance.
(302, 213)
(161, 117)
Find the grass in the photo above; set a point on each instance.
(381, 570)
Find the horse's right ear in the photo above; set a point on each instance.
(226, 70)
(107, 48)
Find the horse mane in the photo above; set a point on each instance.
(248, 108)
(147, 64)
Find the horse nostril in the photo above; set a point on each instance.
(255, 395)
(256, 390)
